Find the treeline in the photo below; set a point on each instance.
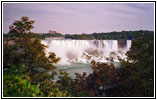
(79, 36)
(47, 35)
(53, 35)
(26, 70)
(36, 35)
(129, 35)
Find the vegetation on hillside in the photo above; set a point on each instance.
(29, 72)
(128, 35)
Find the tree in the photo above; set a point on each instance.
(94, 84)
(30, 52)
(23, 26)
(136, 75)
(17, 83)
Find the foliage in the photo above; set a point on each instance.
(63, 87)
(30, 52)
(136, 75)
(39, 36)
(142, 50)
(64, 84)
(53, 35)
(23, 26)
(80, 37)
(94, 84)
(10, 35)
(129, 35)
(16, 83)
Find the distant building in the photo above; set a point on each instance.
(52, 32)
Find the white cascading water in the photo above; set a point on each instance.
(85, 51)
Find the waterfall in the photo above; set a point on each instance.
(87, 50)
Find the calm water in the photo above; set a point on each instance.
(79, 68)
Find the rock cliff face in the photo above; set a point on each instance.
(122, 44)
(87, 50)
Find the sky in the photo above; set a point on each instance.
(77, 18)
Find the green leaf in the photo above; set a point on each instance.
(35, 89)
(26, 84)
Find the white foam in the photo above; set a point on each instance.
(85, 50)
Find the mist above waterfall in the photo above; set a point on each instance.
(87, 50)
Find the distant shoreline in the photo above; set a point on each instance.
(126, 35)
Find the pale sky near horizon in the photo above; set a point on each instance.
(74, 18)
